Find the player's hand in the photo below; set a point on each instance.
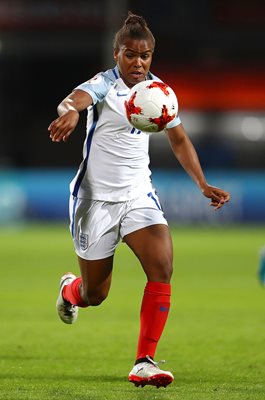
(218, 196)
(62, 127)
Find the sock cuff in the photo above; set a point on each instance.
(71, 293)
(158, 288)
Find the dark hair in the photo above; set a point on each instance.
(134, 27)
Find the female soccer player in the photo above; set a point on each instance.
(112, 197)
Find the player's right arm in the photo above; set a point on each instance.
(68, 110)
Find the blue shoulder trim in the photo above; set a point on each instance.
(116, 72)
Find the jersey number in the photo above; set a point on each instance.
(135, 131)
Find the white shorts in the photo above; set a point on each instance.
(97, 226)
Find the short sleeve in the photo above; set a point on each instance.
(176, 121)
(96, 87)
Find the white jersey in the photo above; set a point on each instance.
(115, 164)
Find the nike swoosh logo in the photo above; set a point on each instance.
(121, 94)
(162, 308)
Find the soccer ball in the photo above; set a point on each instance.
(151, 105)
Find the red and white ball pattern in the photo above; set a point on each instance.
(151, 105)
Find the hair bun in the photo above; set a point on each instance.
(133, 28)
(135, 19)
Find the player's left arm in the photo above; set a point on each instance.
(186, 154)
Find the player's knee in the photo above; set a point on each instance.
(166, 273)
(165, 268)
(161, 270)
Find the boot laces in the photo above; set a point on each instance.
(155, 363)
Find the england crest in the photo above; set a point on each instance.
(83, 241)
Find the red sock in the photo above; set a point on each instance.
(71, 293)
(153, 317)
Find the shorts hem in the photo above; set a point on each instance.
(141, 226)
(94, 257)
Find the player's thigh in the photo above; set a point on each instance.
(153, 247)
(96, 278)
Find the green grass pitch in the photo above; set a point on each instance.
(214, 341)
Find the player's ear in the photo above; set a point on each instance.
(115, 55)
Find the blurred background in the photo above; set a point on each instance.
(211, 52)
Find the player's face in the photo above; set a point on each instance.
(134, 59)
